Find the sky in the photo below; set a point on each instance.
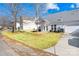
(29, 9)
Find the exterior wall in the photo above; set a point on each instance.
(17, 25)
(29, 26)
(57, 27)
(49, 28)
(71, 29)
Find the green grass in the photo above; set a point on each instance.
(39, 40)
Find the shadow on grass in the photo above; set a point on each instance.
(74, 42)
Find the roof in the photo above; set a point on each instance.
(27, 18)
(66, 17)
(41, 21)
(27, 21)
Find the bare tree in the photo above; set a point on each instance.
(14, 10)
(38, 16)
(14, 14)
(40, 9)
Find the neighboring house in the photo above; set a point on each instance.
(4, 22)
(30, 24)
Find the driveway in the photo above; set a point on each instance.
(5, 50)
(67, 46)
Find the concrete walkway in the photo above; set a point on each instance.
(67, 46)
(5, 50)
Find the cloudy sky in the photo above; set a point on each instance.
(45, 9)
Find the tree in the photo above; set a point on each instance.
(14, 10)
(40, 10)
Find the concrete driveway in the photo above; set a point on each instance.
(67, 46)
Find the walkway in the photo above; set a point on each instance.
(67, 46)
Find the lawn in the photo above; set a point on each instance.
(39, 40)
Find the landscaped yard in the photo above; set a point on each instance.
(39, 40)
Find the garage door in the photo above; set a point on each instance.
(70, 29)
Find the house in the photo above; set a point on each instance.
(69, 20)
(30, 24)
(4, 22)
(40, 24)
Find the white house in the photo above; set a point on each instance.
(37, 25)
(30, 24)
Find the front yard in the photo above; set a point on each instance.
(39, 40)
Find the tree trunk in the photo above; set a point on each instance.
(21, 23)
(14, 23)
